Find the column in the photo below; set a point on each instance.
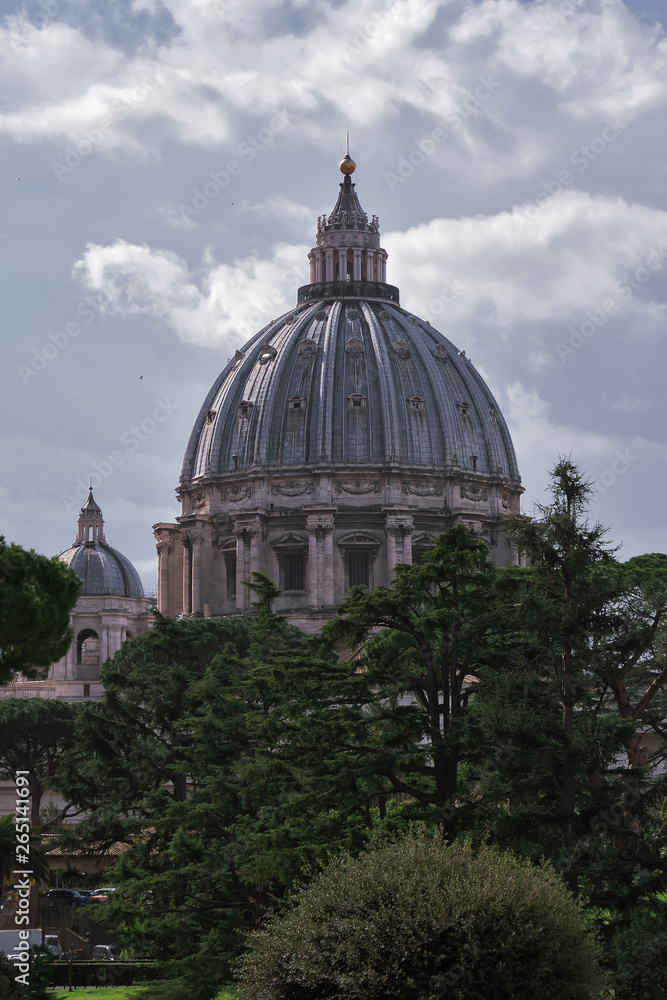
(342, 265)
(382, 268)
(255, 537)
(318, 267)
(356, 265)
(104, 644)
(163, 553)
(370, 256)
(312, 567)
(407, 544)
(241, 591)
(329, 255)
(196, 543)
(392, 530)
(187, 571)
(328, 581)
(311, 259)
(114, 639)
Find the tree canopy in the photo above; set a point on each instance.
(36, 597)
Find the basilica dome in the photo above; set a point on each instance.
(104, 571)
(338, 441)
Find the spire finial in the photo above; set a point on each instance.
(347, 166)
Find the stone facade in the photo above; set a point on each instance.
(339, 441)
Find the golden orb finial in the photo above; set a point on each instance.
(347, 166)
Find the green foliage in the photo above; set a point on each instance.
(36, 597)
(441, 626)
(35, 735)
(417, 918)
(9, 988)
(638, 957)
(205, 759)
(41, 961)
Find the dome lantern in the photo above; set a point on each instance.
(347, 258)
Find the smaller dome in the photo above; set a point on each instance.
(103, 570)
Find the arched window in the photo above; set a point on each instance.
(88, 648)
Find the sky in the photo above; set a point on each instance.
(163, 165)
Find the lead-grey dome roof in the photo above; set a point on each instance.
(349, 381)
(103, 570)
(349, 378)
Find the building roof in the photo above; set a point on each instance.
(349, 378)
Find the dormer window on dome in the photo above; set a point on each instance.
(357, 401)
(266, 354)
(296, 403)
(354, 347)
(244, 408)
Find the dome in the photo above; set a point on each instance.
(339, 441)
(349, 381)
(103, 570)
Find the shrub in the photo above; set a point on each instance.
(9, 988)
(639, 957)
(416, 918)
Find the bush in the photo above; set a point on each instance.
(416, 918)
(639, 957)
(9, 988)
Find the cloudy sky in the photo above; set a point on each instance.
(163, 162)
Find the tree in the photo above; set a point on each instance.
(441, 625)
(190, 761)
(35, 736)
(36, 597)
(565, 605)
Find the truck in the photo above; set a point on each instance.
(13, 941)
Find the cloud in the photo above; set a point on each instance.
(224, 304)
(536, 263)
(369, 61)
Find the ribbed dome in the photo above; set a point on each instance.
(349, 381)
(103, 570)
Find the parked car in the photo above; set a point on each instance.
(64, 897)
(100, 895)
(106, 953)
(88, 895)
